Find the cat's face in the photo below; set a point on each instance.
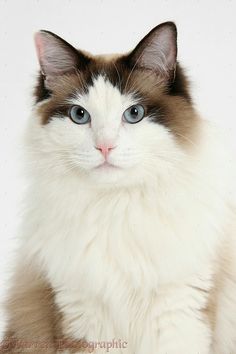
(119, 119)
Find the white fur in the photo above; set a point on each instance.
(131, 251)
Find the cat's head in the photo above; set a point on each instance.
(116, 119)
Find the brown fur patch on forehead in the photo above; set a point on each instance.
(167, 103)
(64, 88)
(171, 107)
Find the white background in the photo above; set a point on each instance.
(207, 48)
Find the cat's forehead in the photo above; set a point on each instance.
(112, 68)
(102, 95)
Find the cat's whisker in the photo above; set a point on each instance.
(132, 70)
(118, 74)
(82, 81)
(187, 139)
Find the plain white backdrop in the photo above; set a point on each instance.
(207, 49)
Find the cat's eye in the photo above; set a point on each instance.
(134, 114)
(79, 115)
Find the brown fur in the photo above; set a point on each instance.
(34, 319)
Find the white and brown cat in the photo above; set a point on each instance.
(129, 229)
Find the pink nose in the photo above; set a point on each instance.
(105, 149)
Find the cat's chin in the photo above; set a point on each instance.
(107, 175)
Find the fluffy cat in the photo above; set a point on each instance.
(128, 241)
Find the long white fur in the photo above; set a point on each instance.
(131, 251)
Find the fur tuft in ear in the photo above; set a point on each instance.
(157, 51)
(56, 56)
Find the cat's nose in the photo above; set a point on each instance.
(105, 149)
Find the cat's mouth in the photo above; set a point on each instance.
(106, 166)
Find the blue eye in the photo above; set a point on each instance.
(134, 114)
(79, 115)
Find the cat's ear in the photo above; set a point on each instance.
(56, 56)
(157, 51)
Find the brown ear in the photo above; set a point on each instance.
(56, 56)
(157, 51)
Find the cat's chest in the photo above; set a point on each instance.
(102, 242)
(121, 238)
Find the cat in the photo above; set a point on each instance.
(128, 240)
